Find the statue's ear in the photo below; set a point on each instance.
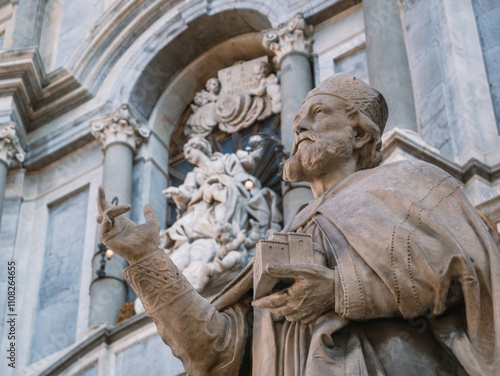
(361, 136)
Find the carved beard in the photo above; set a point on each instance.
(313, 160)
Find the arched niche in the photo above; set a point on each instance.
(182, 89)
(176, 97)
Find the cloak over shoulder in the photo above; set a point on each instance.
(415, 243)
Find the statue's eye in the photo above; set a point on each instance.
(318, 110)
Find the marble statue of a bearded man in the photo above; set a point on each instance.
(411, 279)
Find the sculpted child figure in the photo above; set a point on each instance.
(403, 245)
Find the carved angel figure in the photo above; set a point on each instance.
(268, 86)
(203, 119)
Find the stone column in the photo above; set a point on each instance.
(11, 153)
(121, 135)
(388, 67)
(292, 44)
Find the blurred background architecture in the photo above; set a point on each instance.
(108, 92)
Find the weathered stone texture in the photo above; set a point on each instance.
(488, 15)
(55, 322)
(354, 64)
(150, 357)
(8, 232)
(424, 58)
(90, 371)
(77, 19)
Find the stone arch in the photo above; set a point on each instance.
(182, 88)
(147, 29)
(201, 35)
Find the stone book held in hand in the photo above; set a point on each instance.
(282, 248)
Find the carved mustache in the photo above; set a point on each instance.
(309, 136)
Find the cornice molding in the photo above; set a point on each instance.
(40, 97)
(37, 96)
(464, 173)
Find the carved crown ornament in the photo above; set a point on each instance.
(10, 148)
(240, 95)
(293, 37)
(120, 126)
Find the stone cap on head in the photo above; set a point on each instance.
(367, 99)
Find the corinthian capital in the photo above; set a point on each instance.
(11, 151)
(122, 127)
(292, 37)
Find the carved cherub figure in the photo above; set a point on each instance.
(268, 84)
(231, 253)
(204, 119)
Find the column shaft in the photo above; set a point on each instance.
(108, 294)
(292, 44)
(121, 135)
(388, 67)
(4, 170)
(117, 172)
(296, 82)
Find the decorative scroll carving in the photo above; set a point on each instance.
(120, 126)
(293, 37)
(242, 94)
(225, 211)
(11, 150)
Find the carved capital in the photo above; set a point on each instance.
(122, 127)
(10, 148)
(293, 37)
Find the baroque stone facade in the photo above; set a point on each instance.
(133, 73)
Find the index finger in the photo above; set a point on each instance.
(102, 204)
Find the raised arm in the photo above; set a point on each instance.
(207, 341)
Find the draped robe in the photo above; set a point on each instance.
(417, 289)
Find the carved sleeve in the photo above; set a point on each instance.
(207, 341)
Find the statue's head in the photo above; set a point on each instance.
(213, 85)
(195, 148)
(252, 155)
(223, 233)
(340, 120)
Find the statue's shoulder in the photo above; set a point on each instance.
(414, 168)
(407, 174)
(410, 179)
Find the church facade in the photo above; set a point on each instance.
(108, 92)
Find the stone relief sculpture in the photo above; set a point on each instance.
(243, 94)
(203, 119)
(217, 209)
(408, 282)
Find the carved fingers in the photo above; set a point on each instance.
(107, 211)
(150, 217)
(311, 295)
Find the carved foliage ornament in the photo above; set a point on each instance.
(294, 36)
(120, 126)
(10, 147)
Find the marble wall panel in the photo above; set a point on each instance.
(77, 18)
(487, 14)
(57, 308)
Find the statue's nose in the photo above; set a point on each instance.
(301, 126)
